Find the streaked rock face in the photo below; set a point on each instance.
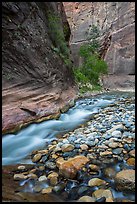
(116, 21)
(34, 76)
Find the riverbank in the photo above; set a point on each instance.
(86, 159)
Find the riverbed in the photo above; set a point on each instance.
(100, 128)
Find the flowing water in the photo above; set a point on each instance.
(17, 147)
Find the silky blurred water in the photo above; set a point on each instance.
(16, 147)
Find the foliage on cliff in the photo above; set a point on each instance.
(58, 37)
(93, 66)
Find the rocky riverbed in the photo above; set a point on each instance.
(93, 163)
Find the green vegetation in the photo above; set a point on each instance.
(58, 37)
(93, 66)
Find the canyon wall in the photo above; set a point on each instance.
(116, 24)
(36, 82)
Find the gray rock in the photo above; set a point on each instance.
(117, 151)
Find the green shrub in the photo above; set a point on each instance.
(93, 66)
(57, 37)
(79, 76)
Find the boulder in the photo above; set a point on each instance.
(70, 167)
(125, 180)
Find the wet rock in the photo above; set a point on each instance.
(32, 176)
(21, 167)
(116, 133)
(96, 182)
(102, 193)
(41, 168)
(59, 161)
(132, 153)
(19, 177)
(94, 167)
(131, 161)
(73, 193)
(54, 156)
(59, 188)
(37, 188)
(102, 199)
(90, 156)
(42, 178)
(50, 165)
(106, 153)
(117, 150)
(109, 200)
(36, 157)
(45, 158)
(126, 147)
(83, 190)
(84, 147)
(109, 172)
(53, 177)
(86, 199)
(46, 190)
(113, 144)
(70, 167)
(115, 128)
(102, 146)
(82, 175)
(125, 180)
(90, 143)
(67, 147)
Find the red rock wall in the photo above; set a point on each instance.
(35, 80)
(116, 21)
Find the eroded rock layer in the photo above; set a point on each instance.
(116, 23)
(35, 80)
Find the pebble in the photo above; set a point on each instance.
(131, 161)
(94, 167)
(102, 193)
(18, 177)
(117, 151)
(105, 153)
(116, 133)
(113, 144)
(84, 147)
(36, 157)
(110, 172)
(86, 199)
(53, 177)
(21, 167)
(32, 176)
(50, 165)
(42, 178)
(96, 182)
(67, 147)
(37, 188)
(132, 153)
(46, 190)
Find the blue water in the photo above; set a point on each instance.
(17, 147)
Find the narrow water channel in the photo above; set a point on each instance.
(16, 147)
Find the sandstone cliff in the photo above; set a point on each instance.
(35, 80)
(116, 22)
